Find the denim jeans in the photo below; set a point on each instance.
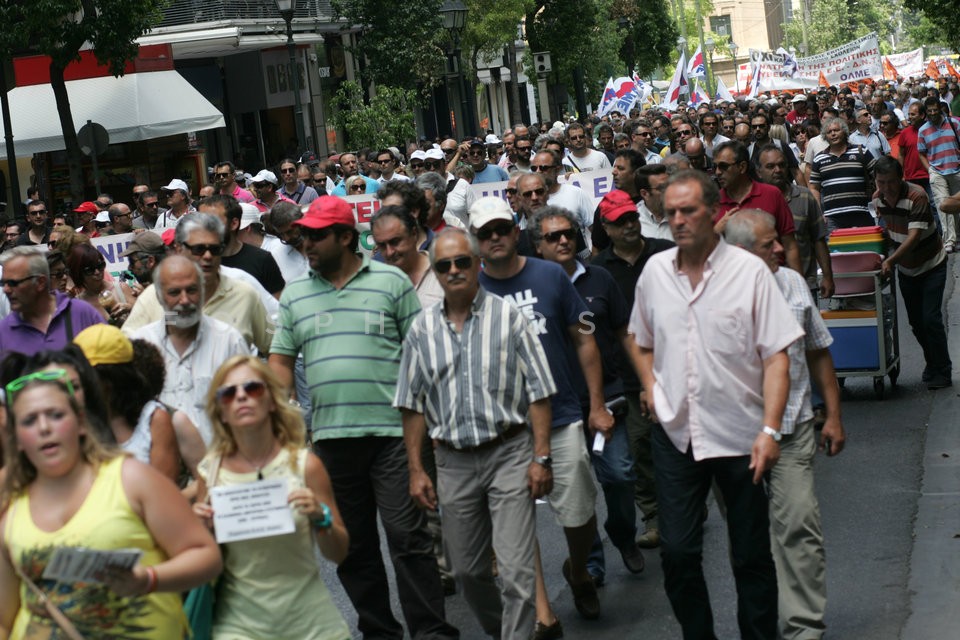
(614, 471)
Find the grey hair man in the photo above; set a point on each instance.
(435, 191)
(795, 530)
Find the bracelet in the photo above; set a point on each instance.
(326, 521)
(152, 580)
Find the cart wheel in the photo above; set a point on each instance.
(894, 374)
(842, 382)
(878, 387)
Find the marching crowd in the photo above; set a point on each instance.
(487, 352)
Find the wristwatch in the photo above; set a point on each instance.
(324, 522)
(773, 433)
(544, 461)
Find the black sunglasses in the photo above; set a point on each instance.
(462, 262)
(626, 218)
(100, 266)
(13, 284)
(253, 389)
(502, 229)
(554, 236)
(541, 167)
(316, 235)
(200, 249)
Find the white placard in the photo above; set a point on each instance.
(251, 510)
(80, 564)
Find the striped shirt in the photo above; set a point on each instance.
(939, 145)
(843, 180)
(816, 336)
(351, 339)
(912, 211)
(808, 219)
(472, 386)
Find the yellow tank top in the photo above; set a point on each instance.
(105, 520)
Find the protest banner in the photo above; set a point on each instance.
(909, 63)
(110, 247)
(851, 62)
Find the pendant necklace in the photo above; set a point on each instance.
(257, 467)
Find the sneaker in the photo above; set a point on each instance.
(632, 558)
(939, 382)
(548, 632)
(584, 594)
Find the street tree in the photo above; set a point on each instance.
(939, 24)
(58, 29)
(649, 34)
(386, 119)
(834, 22)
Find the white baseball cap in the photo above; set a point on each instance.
(433, 154)
(176, 185)
(488, 209)
(265, 176)
(251, 215)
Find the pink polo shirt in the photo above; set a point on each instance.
(709, 345)
(243, 195)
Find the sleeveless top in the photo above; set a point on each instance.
(140, 441)
(105, 520)
(271, 588)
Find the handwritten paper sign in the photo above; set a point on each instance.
(80, 564)
(252, 510)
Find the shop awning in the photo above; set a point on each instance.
(137, 106)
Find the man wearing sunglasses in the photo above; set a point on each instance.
(178, 201)
(148, 210)
(349, 167)
(39, 319)
(38, 231)
(545, 295)
(193, 344)
(485, 454)
(641, 140)
(582, 156)
(567, 196)
(292, 188)
(225, 180)
(267, 188)
(483, 170)
(388, 167)
(352, 314)
(237, 298)
(554, 233)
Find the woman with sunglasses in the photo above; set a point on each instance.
(355, 185)
(63, 490)
(88, 270)
(271, 587)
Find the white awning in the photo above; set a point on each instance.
(137, 106)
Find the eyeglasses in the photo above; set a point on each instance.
(723, 166)
(58, 273)
(542, 167)
(223, 175)
(886, 122)
(316, 235)
(540, 191)
(645, 134)
(52, 244)
(627, 218)
(123, 215)
(554, 236)
(13, 284)
(511, 192)
(288, 170)
(385, 160)
(38, 212)
(524, 149)
(100, 266)
(758, 126)
(709, 123)
(683, 132)
(416, 165)
(502, 229)
(358, 187)
(575, 138)
(201, 249)
(436, 164)
(448, 152)
(475, 152)
(252, 389)
(50, 375)
(151, 204)
(462, 262)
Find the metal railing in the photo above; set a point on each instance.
(186, 12)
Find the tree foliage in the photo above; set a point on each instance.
(402, 45)
(386, 120)
(58, 28)
(934, 22)
(650, 34)
(833, 23)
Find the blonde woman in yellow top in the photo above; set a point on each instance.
(271, 587)
(63, 489)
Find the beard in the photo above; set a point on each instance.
(183, 316)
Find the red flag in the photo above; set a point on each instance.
(889, 71)
(951, 70)
(932, 70)
(823, 80)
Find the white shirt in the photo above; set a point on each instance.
(593, 161)
(653, 157)
(459, 201)
(709, 345)
(709, 146)
(292, 263)
(189, 375)
(649, 227)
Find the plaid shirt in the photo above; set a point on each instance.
(816, 336)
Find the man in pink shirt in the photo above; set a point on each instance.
(712, 329)
(225, 179)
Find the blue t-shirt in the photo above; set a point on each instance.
(545, 295)
(492, 173)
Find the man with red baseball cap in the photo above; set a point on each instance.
(86, 219)
(351, 314)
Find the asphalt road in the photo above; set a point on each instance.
(891, 518)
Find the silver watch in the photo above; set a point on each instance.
(773, 433)
(544, 461)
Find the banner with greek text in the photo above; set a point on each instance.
(852, 62)
(908, 64)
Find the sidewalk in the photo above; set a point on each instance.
(934, 582)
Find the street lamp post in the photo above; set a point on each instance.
(286, 8)
(682, 46)
(709, 45)
(454, 15)
(736, 70)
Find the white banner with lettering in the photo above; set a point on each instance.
(909, 63)
(852, 62)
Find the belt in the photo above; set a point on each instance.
(503, 436)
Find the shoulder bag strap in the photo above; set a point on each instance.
(956, 137)
(54, 612)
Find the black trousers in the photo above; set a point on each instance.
(682, 486)
(369, 475)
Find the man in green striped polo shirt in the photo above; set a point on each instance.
(348, 316)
